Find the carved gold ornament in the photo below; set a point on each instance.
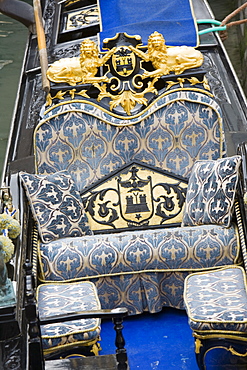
(126, 85)
(80, 70)
(165, 60)
(127, 98)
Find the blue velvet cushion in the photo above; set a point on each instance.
(55, 299)
(56, 205)
(217, 300)
(211, 192)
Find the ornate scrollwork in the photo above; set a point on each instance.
(133, 199)
(125, 82)
(106, 213)
(126, 98)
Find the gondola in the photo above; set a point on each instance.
(123, 226)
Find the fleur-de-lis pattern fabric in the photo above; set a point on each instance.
(211, 192)
(58, 299)
(178, 129)
(139, 270)
(56, 205)
(217, 300)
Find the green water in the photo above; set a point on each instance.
(13, 37)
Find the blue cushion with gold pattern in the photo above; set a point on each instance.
(54, 299)
(217, 300)
(180, 249)
(211, 192)
(56, 205)
(139, 270)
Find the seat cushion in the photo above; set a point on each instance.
(171, 249)
(54, 299)
(211, 192)
(56, 205)
(217, 300)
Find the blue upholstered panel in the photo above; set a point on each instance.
(178, 129)
(217, 300)
(68, 298)
(115, 261)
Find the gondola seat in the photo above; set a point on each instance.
(143, 269)
(216, 303)
(132, 174)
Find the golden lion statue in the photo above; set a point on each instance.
(168, 59)
(81, 69)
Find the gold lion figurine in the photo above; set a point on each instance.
(168, 59)
(81, 69)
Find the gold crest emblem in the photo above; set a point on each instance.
(124, 61)
(135, 198)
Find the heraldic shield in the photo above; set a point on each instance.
(134, 197)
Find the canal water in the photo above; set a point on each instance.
(13, 37)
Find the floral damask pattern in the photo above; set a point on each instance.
(211, 192)
(217, 300)
(178, 129)
(58, 299)
(140, 270)
(56, 205)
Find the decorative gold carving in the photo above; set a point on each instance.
(124, 61)
(165, 60)
(235, 353)
(60, 95)
(123, 84)
(80, 70)
(127, 99)
(198, 345)
(192, 80)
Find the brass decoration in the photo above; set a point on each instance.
(127, 98)
(192, 80)
(198, 345)
(235, 353)
(80, 70)
(165, 60)
(134, 197)
(60, 95)
(126, 86)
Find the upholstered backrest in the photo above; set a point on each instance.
(178, 129)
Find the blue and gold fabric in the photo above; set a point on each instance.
(56, 205)
(58, 299)
(211, 192)
(90, 142)
(217, 301)
(139, 270)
